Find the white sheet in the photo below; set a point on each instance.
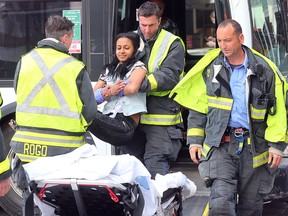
(85, 163)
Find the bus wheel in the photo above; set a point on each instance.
(12, 201)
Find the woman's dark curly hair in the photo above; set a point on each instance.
(123, 68)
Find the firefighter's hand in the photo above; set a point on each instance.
(195, 153)
(274, 160)
(4, 186)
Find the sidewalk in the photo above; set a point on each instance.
(195, 205)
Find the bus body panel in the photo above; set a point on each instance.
(238, 8)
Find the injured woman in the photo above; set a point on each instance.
(117, 88)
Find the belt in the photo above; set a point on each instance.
(240, 134)
(237, 132)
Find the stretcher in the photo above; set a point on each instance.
(122, 192)
(72, 197)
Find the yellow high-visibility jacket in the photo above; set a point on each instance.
(165, 67)
(205, 90)
(49, 109)
(5, 169)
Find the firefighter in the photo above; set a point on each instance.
(157, 140)
(54, 96)
(5, 169)
(236, 123)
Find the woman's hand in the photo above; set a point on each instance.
(117, 87)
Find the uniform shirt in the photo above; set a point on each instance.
(239, 112)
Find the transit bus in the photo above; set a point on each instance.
(264, 24)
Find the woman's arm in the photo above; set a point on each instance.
(135, 81)
(99, 84)
(109, 90)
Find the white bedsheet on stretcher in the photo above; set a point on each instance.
(86, 163)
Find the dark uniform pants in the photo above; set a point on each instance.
(155, 146)
(236, 187)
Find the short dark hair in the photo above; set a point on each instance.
(148, 9)
(57, 26)
(236, 26)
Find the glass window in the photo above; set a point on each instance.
(200, 26)
(224, 10)
(270, 30)
(22, 26)
(125, 16)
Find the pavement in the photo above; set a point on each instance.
(194, 206)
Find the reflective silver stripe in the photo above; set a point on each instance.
(160, 51)
(205, 150)
(260, 160)
(221, 103)
(48, 79)
(196, 132)
(257, 113)
(161, 119)
(46, 139)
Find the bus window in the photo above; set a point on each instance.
(21, 27)
(125, 16)
(200, 26)
(269, 29)
(223, 10)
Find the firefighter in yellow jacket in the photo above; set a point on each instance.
(55, 100)
(157, 139)
(237, 122)
(5, 170)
